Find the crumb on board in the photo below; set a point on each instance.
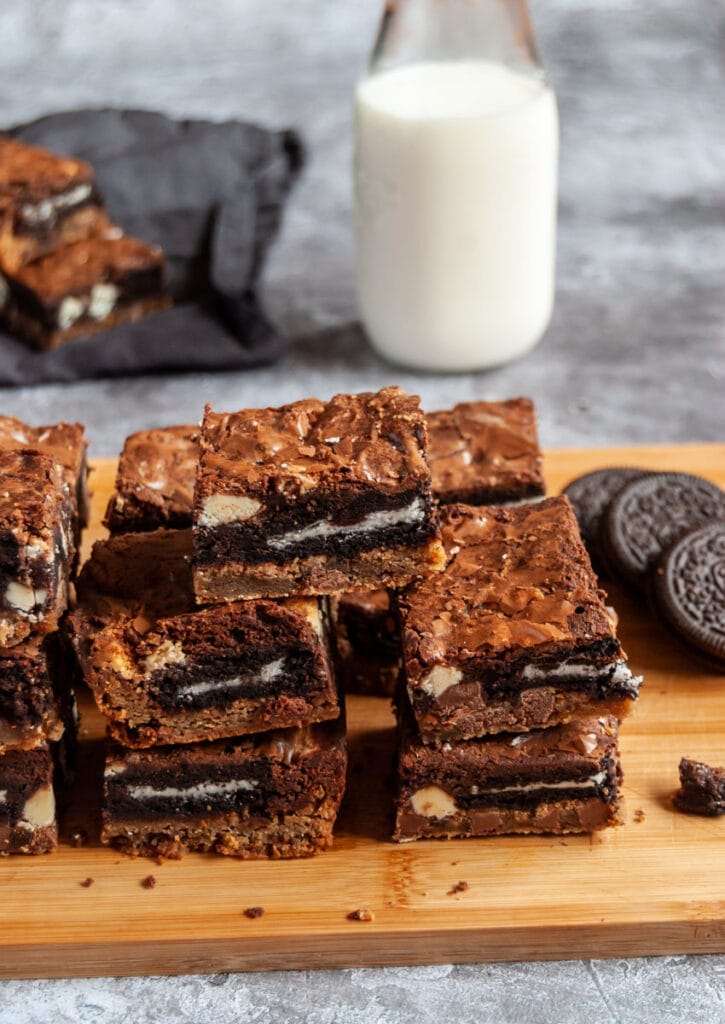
(253, 912)
(79, 837)
(361, 915)
(149, 882)
(458, 887)
(87, 883)
(639, 815)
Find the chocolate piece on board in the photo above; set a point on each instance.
(485, 453)
(82, 289)
(559, 780)
(314, 498)
(275, 795)
(514, 634)
(165, 671)
(155, 480)
(27, 801)
(46, 201)
(702, 789)
(36, 544)
(649, 514)
(589, 495)
(367, 642)
(689, 587)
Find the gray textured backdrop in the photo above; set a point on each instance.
(635, 353)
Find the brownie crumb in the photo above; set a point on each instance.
(149, 882)
(639, 815)
(79, 837)
(87, 883)
(361, 915)
(702, 789)
(458, 887)
(253, 912)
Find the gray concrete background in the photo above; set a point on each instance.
(636, 353)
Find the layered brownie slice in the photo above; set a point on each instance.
(559, 780)
(514, 635)
(485, 453)
(64, 442)
(82, 289)
(46, 201)
(155, 480)
(314, 498)
(32, 698)
(36, 544)
(273, 795)
(164, 671)
(27, 801)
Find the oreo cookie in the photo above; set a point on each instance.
(649, 514)
(689, 588)
(589, 495)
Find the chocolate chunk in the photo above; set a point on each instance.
(589, 495)
(689, 587)
(649, 514)
(254, 912)
(702, 789)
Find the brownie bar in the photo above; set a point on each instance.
(64, 442)
(485, 453)
(314, 498)
(155, 480)
(46, 201)
(27, 801)
(272, 795)
(367, 642)
(514, 635)
(32, 694)
(36, 544)
(164, 671)
(82, 289)
(559, 780)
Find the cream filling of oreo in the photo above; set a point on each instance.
(202, 789)
(35, 214)
(620, 672)
(408, 516)
(218, 509)
(434, 802)
(267, 674)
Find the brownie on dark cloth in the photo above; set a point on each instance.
(212, 196)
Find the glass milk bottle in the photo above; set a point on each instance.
(455, 185)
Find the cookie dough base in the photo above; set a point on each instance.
(318, 574)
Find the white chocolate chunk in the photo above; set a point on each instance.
(227, 508)
(169, 652)
(3, 796)
(71, 310)
(433, 802)
(102, 301)
(39, 809)
(440, 679)
(23, 599)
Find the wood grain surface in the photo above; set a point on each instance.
(653, 886)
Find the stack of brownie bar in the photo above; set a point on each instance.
(217, 682)
(65, 270)
(43, 507)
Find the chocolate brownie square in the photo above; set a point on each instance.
(36, 544)
(46, 201)
(514, 634)
(155, 480)
(485, 453)
(27, 801)
(314, 498)
(163, 670)
(559, 780)
(275, 795)
(82, 289)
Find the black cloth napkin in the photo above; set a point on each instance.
(212, 196)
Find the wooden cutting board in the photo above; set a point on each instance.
(656, 885)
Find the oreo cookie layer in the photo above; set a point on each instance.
(589, 495)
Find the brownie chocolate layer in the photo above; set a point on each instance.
(367, 642)
(83, 288)
(514, 634)
(155, 480)
(314, 497)
(36, 544)
(164, 671)
(64, 442)
(275, 794)
(31, 704)
(564, 779)
(485, 453)
(27, 802)
(46, 201)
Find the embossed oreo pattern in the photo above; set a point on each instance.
(591, 493)
(649, 514)
(690, 587)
